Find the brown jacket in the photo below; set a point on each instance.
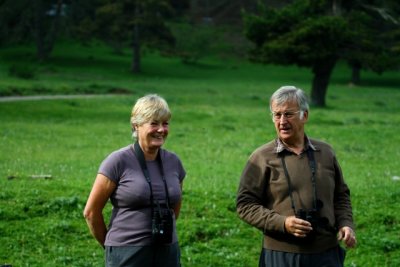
(263, 197)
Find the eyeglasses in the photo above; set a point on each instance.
(276, 116)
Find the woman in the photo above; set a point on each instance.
(144, 183)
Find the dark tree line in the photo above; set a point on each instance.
(309, 33)
(134, 23)
(317, 33)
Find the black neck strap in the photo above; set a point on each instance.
(312, 164)
(140, 156)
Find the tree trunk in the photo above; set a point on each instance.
(322, 74)
(336, 8)
(355, 73)
(54, 28)
(136, 44)
(39, 30)
(46, 28)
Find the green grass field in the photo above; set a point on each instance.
(220, 115)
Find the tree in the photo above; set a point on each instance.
(135, 22)
(309, 33)
(38, 20)
(140, 22)
(150, 28)
(376, 34)
(47, 20)
(15, 21)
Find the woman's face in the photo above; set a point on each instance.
(152, 134)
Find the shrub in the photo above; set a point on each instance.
(22, 71)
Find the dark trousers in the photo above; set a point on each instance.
(331, 258)
(145, 256)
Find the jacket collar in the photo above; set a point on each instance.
(279, 146)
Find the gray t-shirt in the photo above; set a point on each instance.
(130, 223)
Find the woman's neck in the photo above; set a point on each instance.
(150, 154)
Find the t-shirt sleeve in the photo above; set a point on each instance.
(175, 165)
(182, 172)
(111, 167)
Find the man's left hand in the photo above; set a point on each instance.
(347, 235)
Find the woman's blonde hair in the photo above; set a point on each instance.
(148, 108)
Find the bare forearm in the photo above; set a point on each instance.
(177, 207)
(93, 212)
(97, 228)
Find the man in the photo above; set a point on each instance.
(292, 189)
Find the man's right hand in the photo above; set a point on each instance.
(297, 227)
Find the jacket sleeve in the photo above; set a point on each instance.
(342, 203)
(251, 200)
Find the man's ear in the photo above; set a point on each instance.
(304, 115)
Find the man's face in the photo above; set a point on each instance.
(288, 123)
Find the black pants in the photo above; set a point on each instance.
(331, 258)
(145, 256)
